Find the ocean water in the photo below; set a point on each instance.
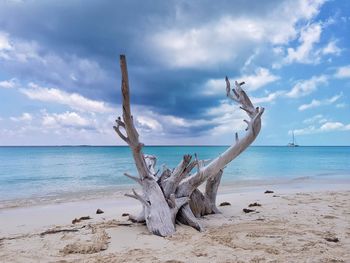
(34, 172)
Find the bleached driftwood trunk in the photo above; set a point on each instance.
(174, 195)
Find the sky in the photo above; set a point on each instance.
(60, 75)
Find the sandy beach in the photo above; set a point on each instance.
(175, 131)
(296, 223)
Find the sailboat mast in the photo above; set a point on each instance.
(293, 136)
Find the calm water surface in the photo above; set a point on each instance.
(27, 172)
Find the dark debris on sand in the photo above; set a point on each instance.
(332, 239)
(77, 220)
(225, 204)
(247, 210)
(254, 204)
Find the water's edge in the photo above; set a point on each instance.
(117, 192)
(32, 175)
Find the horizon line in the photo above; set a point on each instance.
(167, 145)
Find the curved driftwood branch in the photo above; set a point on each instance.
(188, 185)
(173, 196)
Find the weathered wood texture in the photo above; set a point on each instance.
(173, 196)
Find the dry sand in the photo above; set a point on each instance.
(291, 225)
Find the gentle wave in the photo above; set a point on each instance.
(27, 172)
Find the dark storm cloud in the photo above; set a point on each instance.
(106, 28)
(80, 42)
(100, 31)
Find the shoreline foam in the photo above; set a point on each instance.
(118, 191)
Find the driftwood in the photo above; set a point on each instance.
(172, 195)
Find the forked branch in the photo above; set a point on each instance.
(174, 195)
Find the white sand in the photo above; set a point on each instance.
(290, 227)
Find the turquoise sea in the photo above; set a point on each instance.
(30, 172)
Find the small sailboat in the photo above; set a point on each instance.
(293, 143)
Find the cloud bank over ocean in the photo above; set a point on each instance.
(60, 81)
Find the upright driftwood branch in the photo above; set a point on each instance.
(157, 213)
(174, 195)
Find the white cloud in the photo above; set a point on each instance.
(221, 119)
(309, 36)
(312, 104)
(308, 8)
(323, 120)
(153, 127)
(67, 119)
(331, 49)
(73, 100)
(226, 118)
(305, 87)
(15, 50)
(304, 131)
(4, 43)
(153, 121)
(176, 120)
(331, 126)
(313, 119)
(8, 84)
(231, 37)
(214, 87)
(26, 117)
(341, 105)
(148, 124)
(48, 128)
(260, 78)
(37, 62)
(325, 127)
(343, 72)
(316, 103)
(269, 98)
(208, 44)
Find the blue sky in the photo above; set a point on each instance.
(60, 79)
